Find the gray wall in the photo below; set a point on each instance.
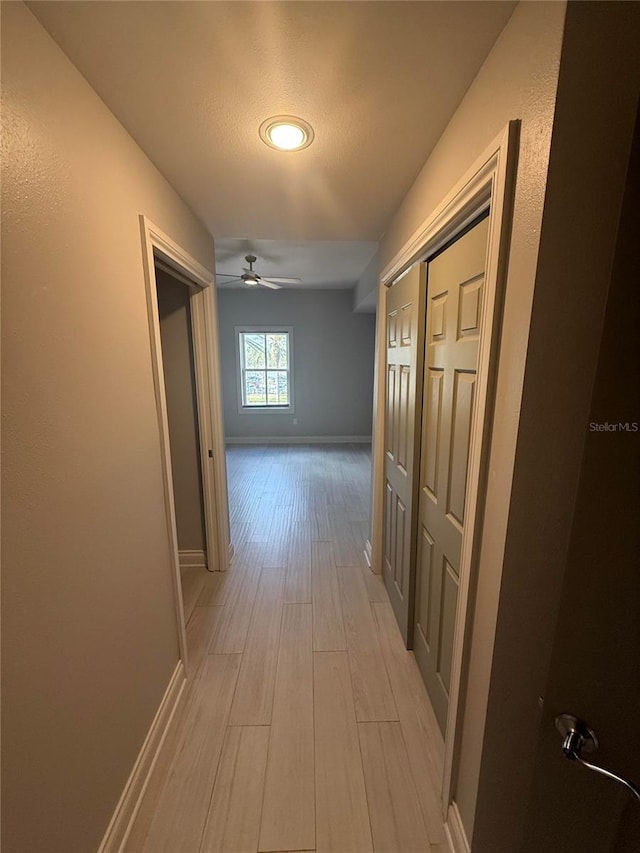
(182, 412)
(88, 625)
(333, 354)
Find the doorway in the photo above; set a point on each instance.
(178, 363)
(196, 388)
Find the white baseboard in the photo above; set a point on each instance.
(125, 813)
(191, 559)
(456, 836)
(367, 552)
(298, 439)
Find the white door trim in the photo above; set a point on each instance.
(488, 183)
(158, 245)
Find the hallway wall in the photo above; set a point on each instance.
(554, 67)
(518, 80)
(333, 353)
(89, 633)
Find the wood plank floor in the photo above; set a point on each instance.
(305, 725)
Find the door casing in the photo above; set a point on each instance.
(158, 246)
(488, 184)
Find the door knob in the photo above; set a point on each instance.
(577, 738)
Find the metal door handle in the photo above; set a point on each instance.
(577, 738)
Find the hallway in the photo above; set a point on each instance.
(305, 724)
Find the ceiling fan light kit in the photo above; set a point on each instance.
(286, 133)
(251, 278)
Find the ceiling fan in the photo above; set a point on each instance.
(251, 278)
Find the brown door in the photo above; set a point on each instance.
(455, 293)
(405, 344)
(595, 666)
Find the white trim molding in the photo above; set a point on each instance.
(454, 831)
(298, 439)
(488, 184)
(130, 800)
(192, 559)
(156, 245)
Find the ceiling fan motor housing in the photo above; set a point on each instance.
(250, 278)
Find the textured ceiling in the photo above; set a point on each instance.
(192, 82)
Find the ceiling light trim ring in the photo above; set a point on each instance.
(273, 122)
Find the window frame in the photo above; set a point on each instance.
(272, 329)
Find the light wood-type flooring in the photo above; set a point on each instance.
(305, 725)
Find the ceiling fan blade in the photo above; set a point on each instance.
(233, 281)
(283, 280)
(227, 275)
(269, 284)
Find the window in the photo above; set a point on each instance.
(264, 359)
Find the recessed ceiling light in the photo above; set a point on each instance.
(286, 133)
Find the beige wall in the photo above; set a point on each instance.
(182, 412)
(89, 634)
(517, 81)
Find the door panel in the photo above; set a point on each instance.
(390, 438)
(595, 663)
(405, 430)
(433, 410)
(405, 344)
(447, 621)
(399, 527)
(455, 291)
(464, 385)
(424, 587)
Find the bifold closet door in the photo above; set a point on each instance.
(405, 353)
(455, 292)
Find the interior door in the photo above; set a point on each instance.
(455, 291)
(405, 351)
(595, 665)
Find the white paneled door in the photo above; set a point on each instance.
(455, 292)
(405, 344)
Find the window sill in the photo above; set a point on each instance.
(262, 410)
